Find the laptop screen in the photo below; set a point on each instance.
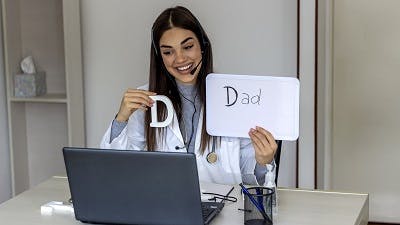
(133, 187)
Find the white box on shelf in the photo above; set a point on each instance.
(30, 85)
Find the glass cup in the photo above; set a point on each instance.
(262, 196)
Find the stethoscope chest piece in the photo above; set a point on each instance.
(212, 157)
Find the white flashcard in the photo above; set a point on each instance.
(236, 103)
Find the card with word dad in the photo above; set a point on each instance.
(236, 103)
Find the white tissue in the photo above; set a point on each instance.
(27, 65)
(56, 207)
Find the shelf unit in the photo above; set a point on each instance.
(39, 127)
(48, 98)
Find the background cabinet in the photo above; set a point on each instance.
(39, 127)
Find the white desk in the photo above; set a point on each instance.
(298, 207)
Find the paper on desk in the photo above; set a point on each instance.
(56, 207)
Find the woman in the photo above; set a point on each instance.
(180, 59)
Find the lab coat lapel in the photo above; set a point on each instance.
(198, 132)
(174, 126)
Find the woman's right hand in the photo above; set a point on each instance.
(134, 99)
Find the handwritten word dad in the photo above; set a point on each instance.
(245, 98)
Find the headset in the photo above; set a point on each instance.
(204, 44)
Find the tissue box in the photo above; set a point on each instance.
(30, 85)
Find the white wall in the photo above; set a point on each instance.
(258, 38)
(5, 173)
(366, 109)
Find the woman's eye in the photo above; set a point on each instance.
(167, 52)
(189, 47)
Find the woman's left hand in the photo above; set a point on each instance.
(264, 145)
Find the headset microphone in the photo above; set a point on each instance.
(195, 68)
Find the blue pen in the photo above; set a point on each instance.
(259, 197)
(246, 192)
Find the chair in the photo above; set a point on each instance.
(277, 158)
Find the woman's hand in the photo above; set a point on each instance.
(264, 145)
(134, 99)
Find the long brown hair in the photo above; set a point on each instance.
(161, 82)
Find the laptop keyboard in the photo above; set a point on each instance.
(210, 209)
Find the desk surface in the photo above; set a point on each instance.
(298, 207)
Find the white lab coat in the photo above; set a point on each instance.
(225, 171)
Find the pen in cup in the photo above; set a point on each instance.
(255, 203)
(260, 197)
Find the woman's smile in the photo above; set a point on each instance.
(185, 69)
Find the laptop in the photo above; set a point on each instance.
(136, 187)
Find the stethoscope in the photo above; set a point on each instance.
(212, 156)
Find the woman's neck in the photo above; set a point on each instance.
(180, 83)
